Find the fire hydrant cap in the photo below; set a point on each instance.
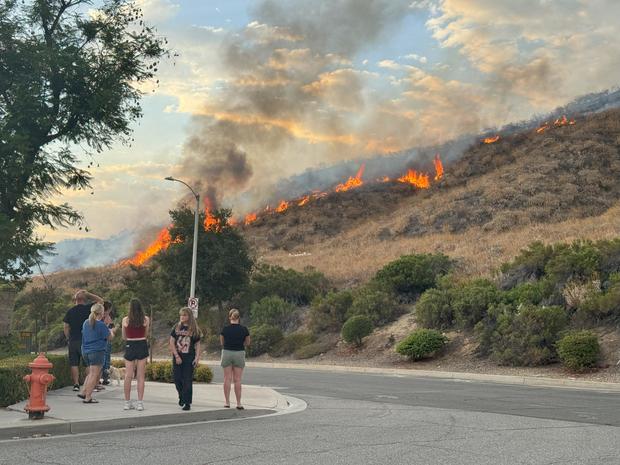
(41, 362)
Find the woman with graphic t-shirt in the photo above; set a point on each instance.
(234, 339)
(185, 347)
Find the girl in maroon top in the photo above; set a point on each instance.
(135, 328)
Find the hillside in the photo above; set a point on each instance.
(493, 200)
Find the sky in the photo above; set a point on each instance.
(263, 90)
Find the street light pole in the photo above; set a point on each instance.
(192, 291)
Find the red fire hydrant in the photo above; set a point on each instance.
(38, 381)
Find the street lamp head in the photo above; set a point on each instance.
(169, 178)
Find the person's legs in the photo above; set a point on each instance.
(177, 374)
(188, 378)
(106, 363)
(75, 353)
(129, 370)
(140, 375)
(92, 380)
(237, 373)
(228, 376)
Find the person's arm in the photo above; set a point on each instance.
(106, 331)
(123, 333)
(197, 348)
(221, 340)
(94, 297)
(173, 349)
(147, 324)
(66, 330)
(246, 341)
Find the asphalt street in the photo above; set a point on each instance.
(365, 419)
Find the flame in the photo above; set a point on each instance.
(304, 200)
(211, 222)
(490, 140)
(250, 218)
(420, 180)
(161, 243)
(282, 206)
(563, 121)
(438, 167)
(352, 183)
(542, 128)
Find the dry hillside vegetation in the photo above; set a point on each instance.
(493, 201)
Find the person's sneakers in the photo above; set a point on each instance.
(106, 382)
(140, 406)
(181, 403)
(76, 387)
(186, 407)
(128, 405)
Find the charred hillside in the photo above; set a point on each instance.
(563, 172)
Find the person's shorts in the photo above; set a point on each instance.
(136, 350)
(94, 358)
(236, 358)
(75, 352)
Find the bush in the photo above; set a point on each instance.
(434, 309)
(527, 337)
(410, 275)
(291, 343)
(329, 313)
(531, 292)
(579, 261)
(598, 307)
(422, 343)
(579, 350)
(203, 374)
(272, 310)
(378, 305)
(312, 350)
(14, 389)
(527, 266)
(9, 346)
(118, 363)
(471, 300)
(356, 328)
(264, 338)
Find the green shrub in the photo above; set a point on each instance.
(470, 301)
(579, 350)
(264, 338)
(486, 329)
(527, 266)
(356, 328)
(422, 343)
(529, 293)
(9, 346)
(527, 337)
(434, 309)
(329, 313)
(118, 362)
(410, 275)
(378, 305)
(159, 371)
(298, 288)
(599, 307)
(312, 350)
(579, 261)
(14, 389)
(203, 374)
(272, 310)
(291, 343)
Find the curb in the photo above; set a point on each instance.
(59, 427)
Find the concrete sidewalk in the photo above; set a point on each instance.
(68, 415)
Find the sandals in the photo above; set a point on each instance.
(226, 406)
(240, 407)
(90, 401)
(81, 396)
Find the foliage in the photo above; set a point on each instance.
(599, 307)
(528, 265)
(13, 389)
(297, 288)
(470, 301)
(203, 374)
(422, 343)
(330, 312)
(524, 337)
(378, 305)
(67, 78)
(578, 261)
(530, 292)
(410, 275)
(162, 372)
(264, 338)
(312, 350)
(291, 343)
(273, 311)
(223, 263)
(579, 350)
(434, 309)
(356, 328)
(9, 346)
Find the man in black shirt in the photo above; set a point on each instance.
(73, 321)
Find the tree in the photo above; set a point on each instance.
(223, 263)
(66, 78)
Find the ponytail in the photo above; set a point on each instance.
(95, 310)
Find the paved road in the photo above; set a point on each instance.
(367, 419)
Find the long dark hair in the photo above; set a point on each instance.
(136, 314)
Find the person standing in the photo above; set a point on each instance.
(73, 322)
(234, 339)
(185, 347)
(95, 336)
(135, 327)
(108, 320)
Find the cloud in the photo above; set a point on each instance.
(158, 11)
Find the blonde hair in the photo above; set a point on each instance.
(234, 314)
(95, 310)
(194, 330)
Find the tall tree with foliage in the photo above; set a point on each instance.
(224, 262)
(69, 75)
